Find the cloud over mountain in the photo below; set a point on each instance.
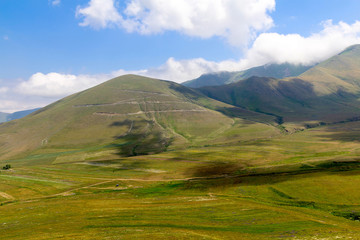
(297, 49)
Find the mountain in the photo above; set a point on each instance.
(4, 117)
(135, 115)
(327, 92)
(269, 70)
(340, 73)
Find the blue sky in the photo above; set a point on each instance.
(50, 49)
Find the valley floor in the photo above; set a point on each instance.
(304, 185)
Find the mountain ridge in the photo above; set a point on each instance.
(326, 92)
(136, 115)
(5, 117)
(268, 70)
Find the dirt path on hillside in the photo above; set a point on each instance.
(129, 101)
(110, 114)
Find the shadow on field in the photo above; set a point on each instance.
(238, 112)
(215, 169)
(350, 136)
(228, 175)
(121, 164)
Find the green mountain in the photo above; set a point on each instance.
(135, 115)
(328, 92)
(269, 70)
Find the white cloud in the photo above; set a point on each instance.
(8, 106)
(238, 21)
(296, 49)
(99, 14)
(6, 38)
(182, 70)
(4, 90)
(56, 84)
(56, 2)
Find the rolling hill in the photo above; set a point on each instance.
(269, 70)
(132, 114)
(327, 92)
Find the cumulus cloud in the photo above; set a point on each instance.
(182, 70)
(238, 21)
(99, 14)
(296, 49)
(56, 84)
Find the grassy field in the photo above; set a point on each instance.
(304, 185)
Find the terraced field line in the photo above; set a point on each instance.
(109, 114)
(6, 196)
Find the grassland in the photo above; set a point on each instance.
(303, 185)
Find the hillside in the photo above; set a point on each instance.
(132, 114)
(328, 92)
(269, 70)
(340, 73)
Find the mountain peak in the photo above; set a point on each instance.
(353, 49)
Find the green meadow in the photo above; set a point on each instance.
(303, 185)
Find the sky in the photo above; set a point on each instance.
(52, 48)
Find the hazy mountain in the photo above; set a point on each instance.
(327, 92)
(269, 70)
(4, 117)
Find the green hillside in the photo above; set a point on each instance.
(269, 70)
(132, 114)
(338, 74)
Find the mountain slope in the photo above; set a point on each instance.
(338, 73)
(135, 115)
(269, 70)
(327, 92)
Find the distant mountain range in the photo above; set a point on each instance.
(139, 115)
(271, 70)
(4, 117)
(326, 92)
